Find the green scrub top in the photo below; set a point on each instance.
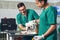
(47, 18)
(31, 15)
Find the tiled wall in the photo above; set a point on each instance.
(13, 5)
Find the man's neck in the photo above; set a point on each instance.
(25, 13)
(46, 6)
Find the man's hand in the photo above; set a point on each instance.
(38, 37)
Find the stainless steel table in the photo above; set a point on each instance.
(11, 34)
(7, 35)
(18, 33)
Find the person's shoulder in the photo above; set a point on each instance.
(51, 8)
(19, 14)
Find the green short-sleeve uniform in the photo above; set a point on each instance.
(47, 18)
(31, 15)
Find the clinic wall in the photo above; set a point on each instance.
(20, 0)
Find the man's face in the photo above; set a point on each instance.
(22, 9)
(39, 4)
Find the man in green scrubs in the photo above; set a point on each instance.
(47, 21)
(24, 16)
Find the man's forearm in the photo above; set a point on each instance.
(50, 30)
(21, 27)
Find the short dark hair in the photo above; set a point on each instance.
(20, 4)
(45, 1)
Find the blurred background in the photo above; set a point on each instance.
(8, 9)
